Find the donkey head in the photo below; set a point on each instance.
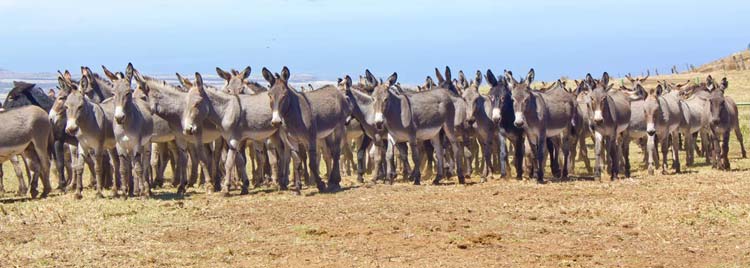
(123, 92)
(234, 83)
(197, 105)
(598, 96)
(473, 98)
(65, 86)
(651, 109)
(636, 81)
(380, 96)
(74, 104)
(716, 103)
(278, 93)
(499, 92)
(521, 94)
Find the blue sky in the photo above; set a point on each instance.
(329, 38)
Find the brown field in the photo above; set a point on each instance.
(700, 218)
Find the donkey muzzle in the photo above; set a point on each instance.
(71, 129)
(650, 129)
(495, 114)
(275, 119)
(119, 115)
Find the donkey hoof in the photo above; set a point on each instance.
(77, 196)
(541, 182)
(244, 191)
(99, 195)
(321, 187)
(436, 182)
(34, 193)
(332, 188)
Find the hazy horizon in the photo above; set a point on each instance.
(330, 38)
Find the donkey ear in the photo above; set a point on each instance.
(268, 76)
(530, 77)
(198, 80)
(85, 71)
(67, 75)
(285, 74)
(461, 78)
(630, 78)
(84, 83)
(724, 83)
(109, 74)
(428, 82)
(605, 79)
(478, 78)
(644, 79)
(491, 78)
(245, 73)
(223, 74)
(509, 78)
(447, 73)
(439, 76)
(183, 81)
(392, 79)
(347, 83)
(659, 90)
(138, 77)
(129, 72)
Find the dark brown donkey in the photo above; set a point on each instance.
(308, 117)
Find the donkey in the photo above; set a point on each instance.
(723, 119)
(503, 116)
(609, 119)
(92, 124)
(133, 129)
(28, 132)
(237, 117)
(417, 117)
(664, 117)
(479, 110)
(308, 117)
(543, 115)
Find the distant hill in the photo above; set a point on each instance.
(737, 61)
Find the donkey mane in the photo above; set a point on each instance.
(153, 82)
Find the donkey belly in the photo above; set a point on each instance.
(8, 150)
(258, 134)
(428, 133)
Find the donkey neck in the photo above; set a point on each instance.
(220, 105)
(103, 89)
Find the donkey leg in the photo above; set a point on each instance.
(738, 134)
(314, 164)
(675, 153)
(614, 157)
(333, 142)
(22, 187)
(230, 164)
(361, 156)
(241, 169)
(389, 160)
(725, 151)
(99, 172)
(437, 145)
(59, 154)
(540, 156)
(403, 155)
(486, 159)
(625, 151)
(503, 154)
(598, 140)
(416, 157)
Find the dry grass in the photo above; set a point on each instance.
(698, 219)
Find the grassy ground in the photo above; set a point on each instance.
(699, 219)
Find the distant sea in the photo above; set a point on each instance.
(49, 80)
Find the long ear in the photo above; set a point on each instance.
(439, 76)
(630, 78)
(184, 81)
(682, 85)
(530, 77)
(285, 74)
(198, 80)
(245, 73)
(129, 72)
(268, 76)
(109, 74)
(509, 78)
(478, 78)
(589, 81)
(725, 83)
(709, 79)
(605, 79)
(491, 78)
(370, 78)
(428, 82)
(138, 77)
(347, 82)
(644, 79)
(223, 74)
(462, 78)
(659, 89)
(84, 83)
(447, 73)
(392, 79)
(85, 71)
